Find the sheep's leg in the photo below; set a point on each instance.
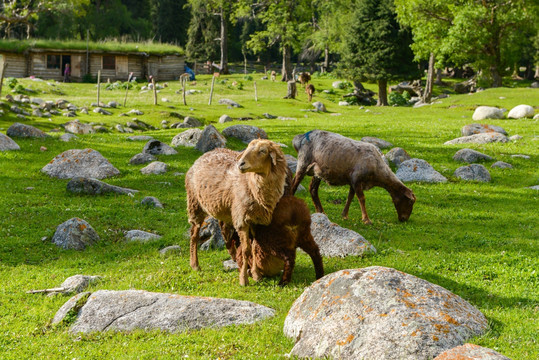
(255, 271)
(361, 198)
(351, 194)
(195, 229)
(289, 258)
(308, 245)
(246, 252)
(313, 189)
(300, 174)
(228, 235)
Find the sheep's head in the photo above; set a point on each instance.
(259, 157)
(404, 204)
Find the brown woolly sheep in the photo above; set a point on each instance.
(239, 189)
(309, 89)
(340, 161)
(304, 78)
(274, 245)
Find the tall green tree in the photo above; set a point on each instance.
(170, 20)
(377, 48)
(202, 32)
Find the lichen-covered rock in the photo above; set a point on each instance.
(191, 122)
(210, 139)
(224, 118)
(75, 234)
(473, 129)
(188, 138)
(501, 165)
(81, 185)
(141, 236)
(25, 131)
(470, 352)
(230, 265)
(470, 156)
(71, 307)
(6, 143)
(140, 138)
(156, 147)
(521, 111)
(318, 106)
(151, 201)
(473, 172)
(129, 310)
(229, 103)
(142, 158)
(379, 313)
(156, 168)
(211, 236)
(379, 143)
(397, 156)
(101, 111)
(334, 240)
(245, 133)
(68, 137)
(487, 112)
(418, 170)
(483, 138)
(86, 163)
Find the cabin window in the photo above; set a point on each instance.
(109, 62)
(53, 61)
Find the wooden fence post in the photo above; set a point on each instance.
(256, 93)
(98, 85)
(154, 91)
(127, 87)
(211, 90)
(4, 67)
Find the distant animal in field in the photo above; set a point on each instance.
(309, 89)
(273, 75)
(341, 161)
(304, 78)
(239, 189)
(274, 245)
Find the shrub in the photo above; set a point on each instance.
(395, 98)
(11, 82)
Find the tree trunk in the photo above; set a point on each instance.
(292, 90)
(382, 93)
(224, 43)
(286, 70)
(427, 94)
(326, 58)
(438, 80)
(496, 77)
(537, 72)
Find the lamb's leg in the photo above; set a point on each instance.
(193, 250)
(361, 198)
(246, 251)
(313, 189)
(351, 194)
(228, 235)
(289, 258)
(307, 244)
(255, 271)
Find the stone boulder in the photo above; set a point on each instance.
(75, 234)
(151, 201)
(211, 236)
(25, 131)
(76, 127)
(141, 236)
(210, 139)
(379, 313)
(245, 133)
(224, 118)
(470, 156)
(521, 111)
(501, 165)
(473, 172)
(334, 240)
(81, 185)
(318, 106)
(6, 143)
(397, 156)
(86, 163)
(140, 138)
(68, 137)
(473, 129)
(483, 138)
(379, 143)
(190, 121)
(99, 110)
(292, 162)
(418, 170)
(156, 168)
(142, 158)
(156, 147)
(229, 103)
(130, 310)
(170, 250)
(188, 138)
(487, 112)
(470, 352)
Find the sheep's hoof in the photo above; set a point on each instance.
(367, 221)
(196, 267)
(256, 275)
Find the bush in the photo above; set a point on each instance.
(11, 82)
(19, 89)
(395, 98)
(89, 79)
(248, 78)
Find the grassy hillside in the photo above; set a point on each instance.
(477, 240)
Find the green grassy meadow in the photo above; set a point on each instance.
(478, 240)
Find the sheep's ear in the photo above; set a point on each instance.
(239, 155)
(273, 157)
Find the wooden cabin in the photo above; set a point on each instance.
(114, 65)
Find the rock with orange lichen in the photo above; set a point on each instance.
(85, 163)
(418, 170)
(472, 129)
(471, 352)
(75, 234)
(379, 313)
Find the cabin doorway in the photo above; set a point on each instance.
(66, 59)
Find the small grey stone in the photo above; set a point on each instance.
(156, 168)
(156, 147)
(230, 265)
(119, 128)
(84, 110)
(470, 352)
(487, 112)
(473, 172)
(188, 138)
(501, 165)
(191, 121)
(338, 84)
(141, 236)
(101, 111)
(140, 138)
(76, 127)
(224, 118)
(25, 131)
(15, 109)
(70, 114)
(418, 170)
(269, 116)
(473, 129)
(6, 143)
(132, 125)
(173, 249)
(113, 104)
(521, 156)
(77, 283)
(100, 129)
(245, 133)
(521, 111)
(210, 233)
(344, 103)
(379, 143)
(142, 158)
(318, 106)
(37, 113)
(483, 138)
(152, 202)
(470, 156)
(397, 156)
(534, 187)
(334, 240)
(74, 234)
(36, 101)
(515, 137)
(135, 112)
(229, 103)
(210, 139)
(68, 137)
(80, 163)
(80, 185)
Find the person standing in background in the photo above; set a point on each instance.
(67, 73)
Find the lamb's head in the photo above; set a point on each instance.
(260, 156)
(404, 204)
